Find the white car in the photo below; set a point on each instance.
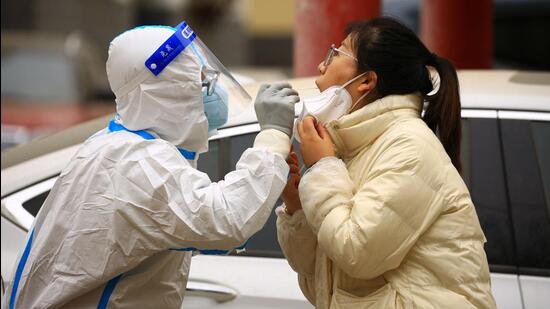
(506, 158)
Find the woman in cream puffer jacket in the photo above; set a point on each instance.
(383, 218)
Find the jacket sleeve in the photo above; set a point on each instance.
(297, 241)
(174, 206)
(307, 286)
(299, 246)
(369, 230)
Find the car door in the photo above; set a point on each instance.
(526, 149)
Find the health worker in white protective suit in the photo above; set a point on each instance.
(121, 223)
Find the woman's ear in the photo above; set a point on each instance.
(370, 80)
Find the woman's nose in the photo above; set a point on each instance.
(322, 68)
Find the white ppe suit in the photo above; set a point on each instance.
(115, 227)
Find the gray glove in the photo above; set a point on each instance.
(274, 107)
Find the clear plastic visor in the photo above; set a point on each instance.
(214, 74)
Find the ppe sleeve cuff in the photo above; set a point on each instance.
(274, 141)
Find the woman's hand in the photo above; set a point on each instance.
(290, 193)
(315, 141)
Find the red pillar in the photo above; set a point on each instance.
(459, 30)
(320, 23)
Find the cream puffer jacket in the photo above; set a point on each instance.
(389, 225)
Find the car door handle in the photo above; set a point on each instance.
(212, 290)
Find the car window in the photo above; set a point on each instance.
(523, 145)
(216, 164)
(484, 176)
(541, 136)
(34, 204)
(465, 151)
(264, 243)
(209, 162)
(238, 144)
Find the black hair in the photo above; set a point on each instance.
(400, 61)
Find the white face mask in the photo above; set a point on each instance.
(329, 105)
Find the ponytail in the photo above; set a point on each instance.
(443, 112)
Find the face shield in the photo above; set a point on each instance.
(214, 75)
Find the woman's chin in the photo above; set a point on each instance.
(319, 83)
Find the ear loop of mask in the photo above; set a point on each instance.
(360, 98)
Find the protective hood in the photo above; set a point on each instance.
(168, 104)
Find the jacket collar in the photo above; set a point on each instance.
(352, 132)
